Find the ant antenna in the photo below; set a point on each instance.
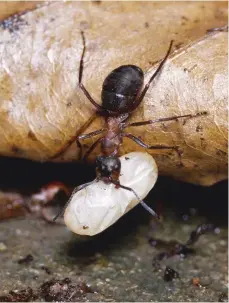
(76, 189)
(162, 62)
(149, 209)
(82, 87)
(82, 57)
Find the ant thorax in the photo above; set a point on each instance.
(112, 140)
(114, 123)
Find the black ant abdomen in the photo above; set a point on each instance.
(121, 89)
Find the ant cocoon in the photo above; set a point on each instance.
(97, 206)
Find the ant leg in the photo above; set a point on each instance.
(85, 158)
(82, 87)
(149, 209)
(86, 93)
(141, 143)
(73, 138)
(164, 119)
(78, 188)
(99, 108)
(142, 95)
(87, 136)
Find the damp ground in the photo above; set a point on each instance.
(118, 265)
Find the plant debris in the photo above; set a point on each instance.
(46, 269)
(24, 295)
(170, 274)
(52, 290)
(223, 297)
(200, 230)
(196, 281)
(27, 259)
(176, 248)
(63, 290)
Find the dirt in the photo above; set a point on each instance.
(47, 262)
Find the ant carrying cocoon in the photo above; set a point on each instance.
(122, 92)
(102, 202)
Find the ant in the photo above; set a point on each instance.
(122, 93)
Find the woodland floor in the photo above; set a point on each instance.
(117, 265)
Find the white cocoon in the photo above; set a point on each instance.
(95, 208)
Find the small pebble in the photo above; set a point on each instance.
(218, 286)
(46, 269)
(217, 230)
(26, 259)
(222, 243)
(3, 247)
(205, 281)
(223, 297)
(170, 274)
(196, 281)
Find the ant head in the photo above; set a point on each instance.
(108, 167)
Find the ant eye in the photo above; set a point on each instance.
(89, 206)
